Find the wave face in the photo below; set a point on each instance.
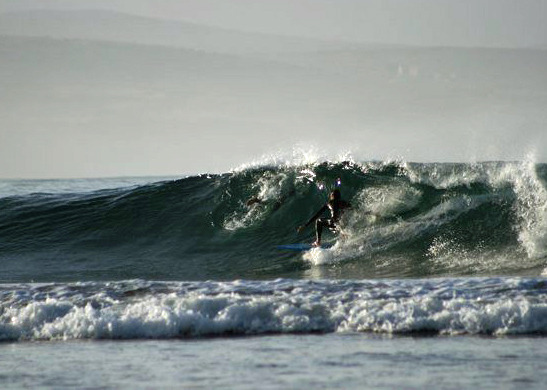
(163, 310)
(406, 220)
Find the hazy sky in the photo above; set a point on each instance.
(76, 115)
(429, 22)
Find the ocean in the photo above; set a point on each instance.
(437, 279)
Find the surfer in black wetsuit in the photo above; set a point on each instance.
(335, 205)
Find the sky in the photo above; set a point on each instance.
(423, 106)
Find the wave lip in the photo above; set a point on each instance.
(163, 310)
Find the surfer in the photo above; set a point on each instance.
(335, 205)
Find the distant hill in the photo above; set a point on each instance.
(120, 27)
(115, 60)
(368, 62)
(389, 77)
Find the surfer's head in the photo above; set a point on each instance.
(335, 195)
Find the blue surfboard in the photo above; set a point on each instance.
(302, 247)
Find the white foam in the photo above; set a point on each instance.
(297, 156)
(531, 194)
(268, 190)
(473, 306)
(531, 207)
(387, 200)
(443, 176)
(243, 219)
(322, 256)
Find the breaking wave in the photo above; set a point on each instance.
(406, 220)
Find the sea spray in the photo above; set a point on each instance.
(531, 206)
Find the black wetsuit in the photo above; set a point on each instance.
(335, 206)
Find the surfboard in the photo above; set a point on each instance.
(302, 247)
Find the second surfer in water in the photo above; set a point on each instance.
(335, 206)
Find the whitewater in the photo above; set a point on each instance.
(439, 271)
